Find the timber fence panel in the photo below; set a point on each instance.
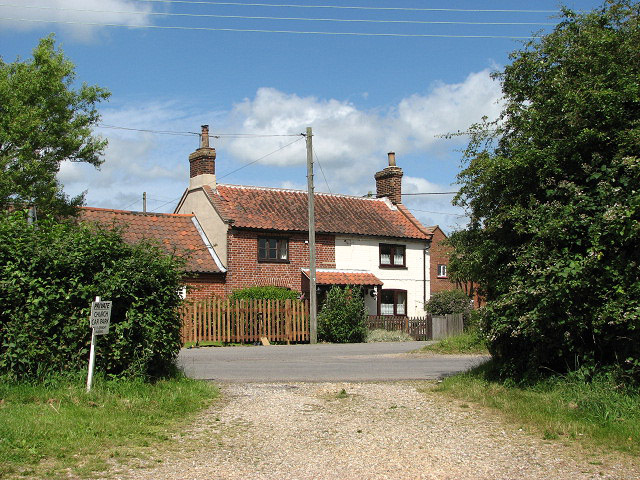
(244, 321)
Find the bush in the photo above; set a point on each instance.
(266, 293)
(449, 301)
(50, 273)
(343, 316)
(380, 335)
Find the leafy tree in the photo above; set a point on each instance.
(50, 272)
(553, 190)
(43, 122)
(343, 316)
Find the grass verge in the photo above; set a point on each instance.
(56, 429)
(465, 343)
(600, 413)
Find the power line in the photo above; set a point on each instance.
(322, 171)
(256, 30)
(430, 193)
(217, 135)
(264, 156)
(350, 7)
(161, 132)
(246, 17)
(440, 213)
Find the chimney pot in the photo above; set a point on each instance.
(204, 136)
(389, 181)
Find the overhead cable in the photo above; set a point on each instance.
(350, 7)
(246, 17)
(256, 30)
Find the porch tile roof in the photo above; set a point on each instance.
(176, 233)
(325, 276)
(287, 210)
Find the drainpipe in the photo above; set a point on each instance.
(424, 272)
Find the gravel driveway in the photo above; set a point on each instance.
(391, 430)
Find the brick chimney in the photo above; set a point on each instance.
(203, 163)
(389, 181)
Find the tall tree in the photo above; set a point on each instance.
(43, 122)
(553, 190)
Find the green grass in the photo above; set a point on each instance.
(600, 413)
(465, 343)
(56, 428)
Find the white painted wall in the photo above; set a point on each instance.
(363, 253)
(196, 202)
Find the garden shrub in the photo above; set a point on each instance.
(50, 273)
(343, 316)
(264, 293)
(450, 301)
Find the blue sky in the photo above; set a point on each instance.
(372, 79)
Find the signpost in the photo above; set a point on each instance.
(99, 323)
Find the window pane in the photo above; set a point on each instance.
(398, 258)
(283, 253)
(386, 302)
(262, 248)
(401, 306)
(273, 250)
(385, 254)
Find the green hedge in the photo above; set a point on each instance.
(264, 293)
(343, 316)
(49, 274)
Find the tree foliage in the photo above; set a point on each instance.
(343, 316)
(50, 272)
(43, 122)
(553, 190)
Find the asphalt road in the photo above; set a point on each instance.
(321, 363)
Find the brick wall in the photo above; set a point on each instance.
(205, 285)
(244, 270)
(439, 255)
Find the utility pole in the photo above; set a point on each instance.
(144, 202)
(313, 320)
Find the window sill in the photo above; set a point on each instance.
(273, 261)
(442, 277)
(396, 267)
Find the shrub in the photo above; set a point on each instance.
(50, 273)
(449, 301)
(380, 335)
(266, 293)
(343, 316)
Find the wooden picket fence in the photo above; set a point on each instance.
(245, 321)
(420, 328)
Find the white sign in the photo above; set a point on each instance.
(100, 317)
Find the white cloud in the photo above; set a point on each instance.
(349, 143)
(76, 14)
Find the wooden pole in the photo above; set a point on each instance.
(313, 321)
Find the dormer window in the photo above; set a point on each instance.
(273, 249)
(392, 256)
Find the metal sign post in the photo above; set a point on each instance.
(99, 323)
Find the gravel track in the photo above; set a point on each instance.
(391, 430)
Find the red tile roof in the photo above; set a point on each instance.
(286, 210)
(176, 233)
(344, 277)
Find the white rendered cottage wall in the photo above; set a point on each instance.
(196, 202)
(363, 253)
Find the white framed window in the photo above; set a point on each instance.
(393, 302)
(442, 271)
